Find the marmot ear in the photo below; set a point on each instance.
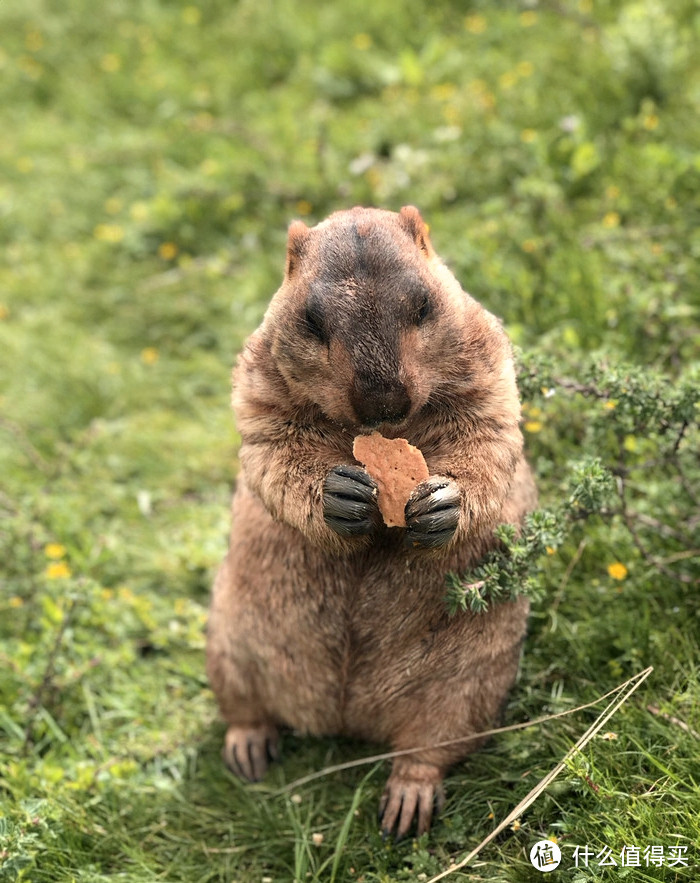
(297, 238)
(411, 221)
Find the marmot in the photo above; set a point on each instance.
(323, 619)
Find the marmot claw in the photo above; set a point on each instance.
(350, 501)
(432, 512)
(247, 751)
(406, 799)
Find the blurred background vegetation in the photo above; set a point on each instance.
(151, 158)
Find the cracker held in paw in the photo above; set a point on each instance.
(396, 466)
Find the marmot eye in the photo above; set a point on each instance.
(314, 322)
(423, 311)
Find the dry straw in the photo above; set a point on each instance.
(618, 696)
(623, 693)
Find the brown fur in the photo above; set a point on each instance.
(328, 633)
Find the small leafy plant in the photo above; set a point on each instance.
(641, 423)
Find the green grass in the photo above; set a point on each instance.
(152, 156)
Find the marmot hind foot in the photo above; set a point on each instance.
(413, 791)
(247, 751)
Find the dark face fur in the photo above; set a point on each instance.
(367, 319)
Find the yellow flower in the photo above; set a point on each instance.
(149, 355)
(30, 67)
(191, 15)
(113, 205)
(527, 136)
(450, 114)
(609, 737)
(167, 251)
(611, 219)
(202, 121)
(362, 42)
(477, 87)
(508, 80)
(515, 827)
(374, 177)
(201, 94)
(16, 601)
(525, 68)
(617, 570)
(650, 122)
(34, 41)
(550, 550)
(233, 202)
(479, 91)
(54, 550)
(58, 570)
(110, 63)
(210, 167)
(443, 91)
(77, 159)
(475, 24)
(108, 233)
(139, 211)
(304, 207)
(529, 246)
(610, 405)
(533, 426)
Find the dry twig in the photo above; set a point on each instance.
(626, 691)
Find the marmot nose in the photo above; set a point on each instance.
(376, 403)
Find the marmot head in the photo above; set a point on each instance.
(369, 325)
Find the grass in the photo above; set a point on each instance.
(152, 156)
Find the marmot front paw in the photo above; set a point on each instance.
(350, 501)
(432, 512)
